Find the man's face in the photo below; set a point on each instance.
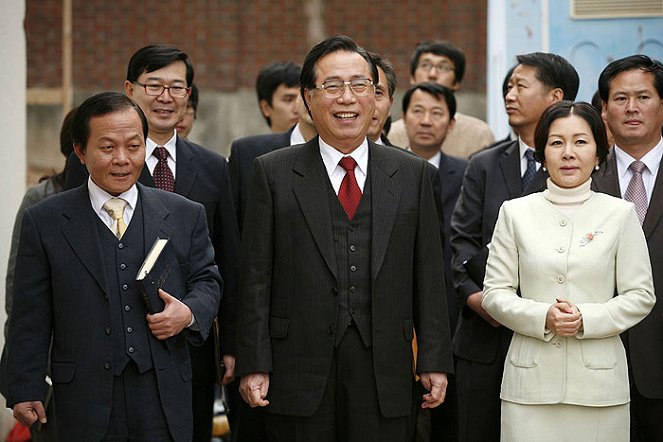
(527, 98)
(283, 110)
(427, 122)
(342, 121)
(436, 68)
(634, 110)
(115, 150)
(163, 112)
(383, 104)
(184, 127)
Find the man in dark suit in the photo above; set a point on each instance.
(340, 264)
(493, 176)
(632, 93)
(428, 114)
(158, 79)
(277, 86)
(118, 373)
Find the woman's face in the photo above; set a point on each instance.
(570, 153)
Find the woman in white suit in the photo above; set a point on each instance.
(557, 261)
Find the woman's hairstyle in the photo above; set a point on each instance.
(563, 109)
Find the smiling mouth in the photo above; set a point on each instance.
(345, 115)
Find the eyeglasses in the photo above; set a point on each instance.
(441, 67)
(155, 90)
(336, 88)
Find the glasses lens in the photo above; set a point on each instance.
(153, 89)
(360, 87)
(333, 88)
(178, 91)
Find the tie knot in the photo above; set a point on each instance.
(529, 155)
(637, 166)
(161, 153)
(348, 163)
(115, 207)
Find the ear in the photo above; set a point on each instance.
(455, 86)
(265, 108)
(307, 99)
(80, 153)
(556, 94)
(452, 123)
(129, 89)
(412, 81)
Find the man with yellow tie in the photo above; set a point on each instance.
(118, 373)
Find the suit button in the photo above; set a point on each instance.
(353, 248)
(125, 287)
(563, 222)
(127, 308)
(330, 330)
(353, 268)
(107, 365)
(561, 249)
(560, 279)
(557, 344)
(120, 246)
(129, 329)
(353, 289)
(131, 349)
(123, 266)
(108, 331)
(334, 291)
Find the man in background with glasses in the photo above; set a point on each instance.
(443, 63)
(341, 263)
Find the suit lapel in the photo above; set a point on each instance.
(655, 209)
(80, 231)
(155, 214)
(606, 180)
(145, 177)
(447, 177)
(510, 168)
(385, 191)
(185, 169)
(310, 188)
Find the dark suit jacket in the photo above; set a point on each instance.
(61, 288)
(643, 341)
(492, 177)
(202, 176)
(242, 153)
(288, 306)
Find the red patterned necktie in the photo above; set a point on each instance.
(349, 193)
(162, 175)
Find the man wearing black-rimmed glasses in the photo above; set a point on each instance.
(341, 263)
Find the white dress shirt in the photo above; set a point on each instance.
(331, 157)
(99, 196)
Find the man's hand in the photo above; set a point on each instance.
(229, 363)
(173, 319)
(474, 302)
(253, 388)
(564, 318)
(27, 413)
(436, 384)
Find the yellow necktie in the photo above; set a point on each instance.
(115, 208)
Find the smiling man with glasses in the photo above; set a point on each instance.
(441, 62)
(342, 262)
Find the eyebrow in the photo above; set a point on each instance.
(164, 80)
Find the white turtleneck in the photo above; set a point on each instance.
(567, 200)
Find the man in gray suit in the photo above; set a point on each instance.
(118, 372)
(341, 264)
(632, 93)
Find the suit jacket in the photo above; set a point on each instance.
(242, 153)
(492, 177)
(61, 288)
(643, 341)
(547, 255)
(288, 306)
(202, 176)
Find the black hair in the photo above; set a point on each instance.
(440, 48)
(566, 108)
(553, 71)
(434, 89)
(631, 62)
(389, 71)
(193, 99)
(274, 75)
(98, 105)
(153, 57)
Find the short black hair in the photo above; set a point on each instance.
(631, 62)
(597, 102)
(389, 71)
(329, 45)
(434, 89)
(274, 75)
(193, 99)
(440, 48)
(553, 71)
(101, 104)
(505, 82)
(153, 57)
(566, 108)
(66, 145)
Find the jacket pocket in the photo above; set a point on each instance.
(599, 354)
(62, 372)
(278, 327)
(524, 352)
(408, 329)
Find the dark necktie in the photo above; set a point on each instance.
(528, 176)
(162, 175)
(349, 193)
(635, 192)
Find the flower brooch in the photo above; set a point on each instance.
(589, 237)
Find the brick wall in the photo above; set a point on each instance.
(229, 41)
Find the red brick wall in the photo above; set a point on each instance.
(229, 41)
